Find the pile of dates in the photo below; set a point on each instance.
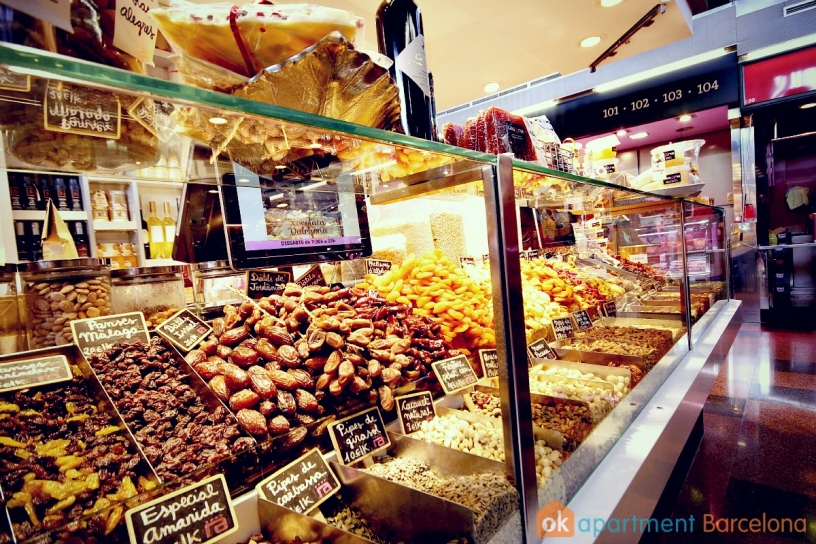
(286, 360)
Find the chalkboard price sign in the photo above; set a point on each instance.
(563, 328)
(184, 330)
(467, 261)
(377, 267)
(412, 410)
(359, 436)
(10, 81)
(197, 514)
(540, 349)
(454, 374)
(81, 110)
(302, 484)
(34, 372)
(97, 334)
(313, 277)
(610, 309)
(582, 319)
(261, 284)
(490, 362)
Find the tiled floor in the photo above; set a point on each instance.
(758, 452)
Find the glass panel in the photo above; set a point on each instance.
(600, 263)
(706, 255)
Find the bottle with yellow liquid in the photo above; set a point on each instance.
(169, 231)
(155, 233)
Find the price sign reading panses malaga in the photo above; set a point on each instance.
(34, 372)
(359, 436)
(301, 485)
(98, 334)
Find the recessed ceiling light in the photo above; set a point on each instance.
(243, 180)
(218, 121)
(621, 132)
(684, 118)
(684, 129)
(610, 3)
(592, 41)
(491, 87)
(807, 106)
(639, 135)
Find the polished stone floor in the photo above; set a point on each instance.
(758, 451)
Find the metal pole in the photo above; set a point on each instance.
(511, 341)
(728, 268)
(686, 286)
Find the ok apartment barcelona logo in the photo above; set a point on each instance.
(557, 521)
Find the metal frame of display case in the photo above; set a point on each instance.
(500, 199)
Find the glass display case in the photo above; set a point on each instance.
(514, 271)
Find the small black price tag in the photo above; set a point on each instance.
(313, 277)
(197, 514)
(490, 362)
(672, 179)
(467, 261)
(377, 267)
(485, 258)
(540, 349)
(301, 485)
(184, 330)
(412, 410)
(454, 374)
(533, 254)
(359, 436)
(610, 309)
(34, 372)
(563, 328)
(582, 319)
(261, 284)
(97, 334)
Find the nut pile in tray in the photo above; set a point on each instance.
(574, 422)
(63, 457)
(491, 498)
(287, 360)
(169, 419)
(649, 343)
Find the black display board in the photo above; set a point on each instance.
(302, 484)
(359, 436)
(582, 319)
(413, 409)
(454, 374)
(198, 514)
(699, 87)
(34, 372)
(184, 330)
(261, 284)
(540, 349)
(563, 328)
(97, 334)
(314, 276)
(490, 362)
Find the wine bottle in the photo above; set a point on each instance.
(60, 194)
(23, 252)
(29, 193)
(35, 241)
(169, 231)
(155, 233)
(81, 239)
(74, 194)
(399, 37)
(16, 192)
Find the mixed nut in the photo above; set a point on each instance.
(491, 498)
(169, 419)
(62, 458)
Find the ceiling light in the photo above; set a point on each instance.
(807, 106)
(610, 3)
(592, 41)
(621, 133)
(243, 180)
(684, 118)
(218, 121)
(313, 186)
(491, 87)
(639, 135)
